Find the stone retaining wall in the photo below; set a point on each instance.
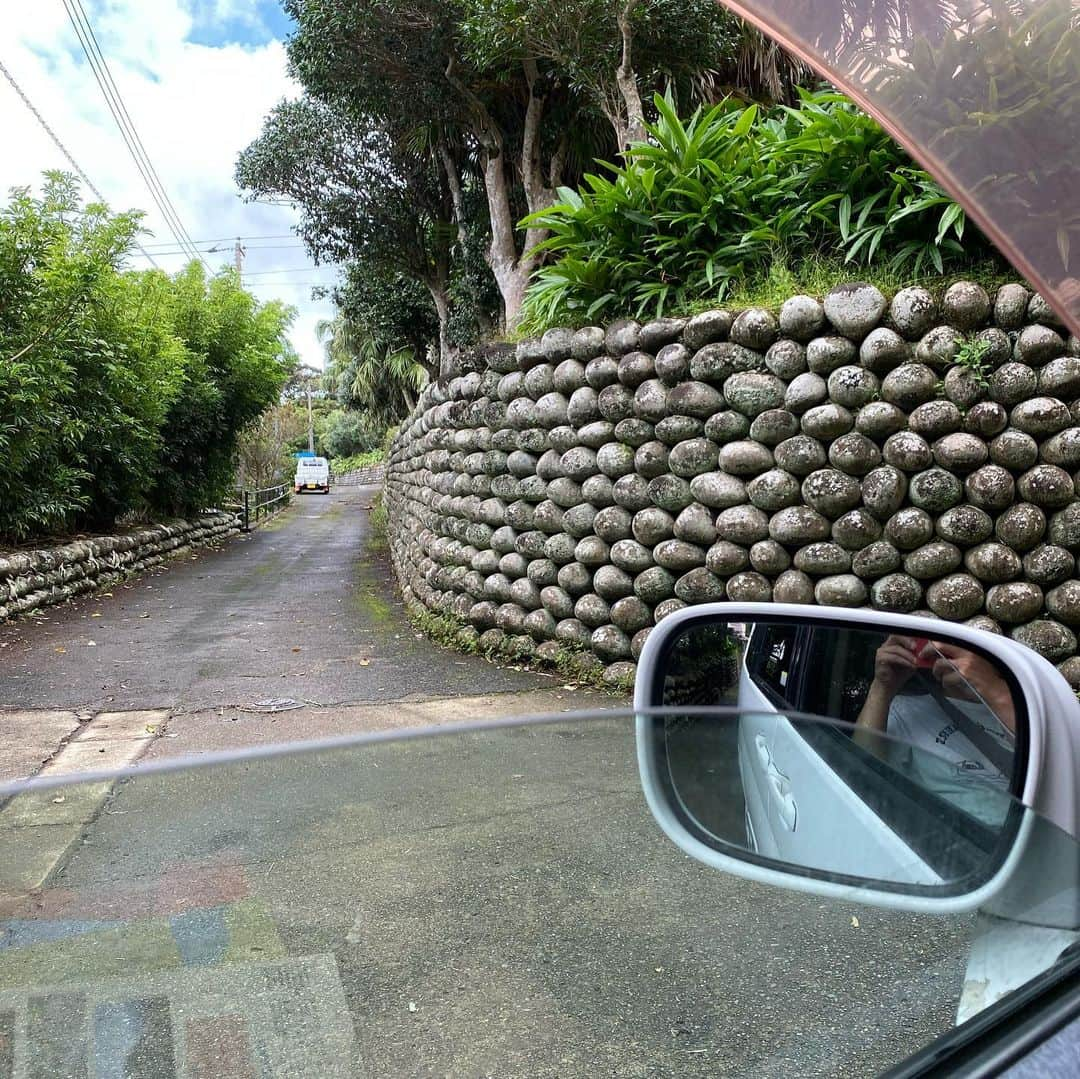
(32, 579)
(913, 455)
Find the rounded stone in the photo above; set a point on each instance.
(1037, 345)
(717, 363)
(1021, 526)
(571, 631)
(718, 490)
(825, 354)
(558, 601)
(878, 420)
(634, 432)
(1049, 564)
(592, 551)
(614, 460)
(907, 451)
(631, 556)
(856, 529)
(753, 392)
(699, 586)
(599, 491)
(583, 407)
(725, 558)
(883, 491)
(966, 305)
(678, 555)
(575, 579)
(525, 594)
(1061, 378)
(801, 317)
(612, 583)
(773, 490)
(569, 376)
(650, 401)
(965, 525)
(592, 610)
(960, 452)
(540, 380)
(749, 587)
(632, 493)
(913, 311)
(754, 328)
(993, 563)
(560, 548)
(854, 453)
(819, 559)
(631, 614)
(932, 560)
(694, 399)
(876, 560)
(654, 585)
(1063, 603)
(696, 524)
(1047, 486)
(613, 523)
(707, 327)
(909, 386)
(827, 421)
(955, 597)
(965, 387)
(883, 350)
(610, 643)
(1041, 417)
(804, 392)
(935, 490)
(840, 590)
(666, 607)
(796, 525)
(622, 337)
(896, 592)
(601, 371)
(986, 419)
(793, 586)
(1010, 306)
(635, 368)
(1013, 603)
(672, 363)
(1012, 383)
(659, 332)
(1014, 450)
(1065, 527)
(616, 403)
(579, 463)
(855, 308)
(744, 524)
(1048, 637)
(773, 426)
(595, 434)
(935, 419)
(543, 572)
(938, 347)
(800, 455)
(566, 438)
(1069, 669)
(769, 557)
(786, 359)
(651, 460)
(831, 492)
(693, 457)
(671, 493)
(745, 458)
(1063, 448)
(909, 528)
(853, 386)
(565, 492)
(726, 426)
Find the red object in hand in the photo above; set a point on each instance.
(923, 653)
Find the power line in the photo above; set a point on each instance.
(64, 150)
(230, 239)
(103, 76)
(176, 250)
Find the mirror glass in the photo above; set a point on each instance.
(871, 756)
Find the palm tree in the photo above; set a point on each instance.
(369, 375)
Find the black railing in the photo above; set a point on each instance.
(259, 501)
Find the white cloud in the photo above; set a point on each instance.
(195, 107)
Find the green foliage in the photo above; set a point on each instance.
(971, 355)
(356, 462)
(345, 433)
(706, 205)
(109, 380)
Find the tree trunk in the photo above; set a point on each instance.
(447, 353)
(626, 79)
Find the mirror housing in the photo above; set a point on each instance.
(1047, 778)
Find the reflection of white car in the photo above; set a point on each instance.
(312, 474)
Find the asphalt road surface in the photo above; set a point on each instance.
(470, 905)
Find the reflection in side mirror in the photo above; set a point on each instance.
(859, 754)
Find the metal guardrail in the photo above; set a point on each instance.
(258, 501)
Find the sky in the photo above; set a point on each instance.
(197, 78)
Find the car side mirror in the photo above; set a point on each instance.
(889, 759)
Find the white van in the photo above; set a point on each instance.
(312, 474)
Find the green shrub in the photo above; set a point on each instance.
(345, 432)
(708, 203)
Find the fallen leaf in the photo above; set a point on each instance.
(144, 615)
(107, 594)
(151, 729)
(61, 650)
(296, 649)
(412, 1005)
(91, 644)
(365, 663)
(854, 922)
(96, 614)
(58, 800)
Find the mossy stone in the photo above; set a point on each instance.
(960, 452)
(800, 455)
(1038, 345)
(651, 460)
(1048, 564)
(1062, 449)
(840, 590)
(793, 586)
(671, 493)
(878, 420)
(1014, 450)
(819, 559)
(856, 529)
(654, 585)
(854, 453)
(725, 558)
(743, 524)
(1063, 602)
(773, 490)
(801, 317)
(1014, 602)
(993, 563)
(965, 525)
(727, 426)
(672, 364)
(934, 419)
(1047, 486)
(956, 597)
(1061, 378)
(786, 359)
(634, 432)
(678, 555)
(896, 592)
(749, 587)
(755, 328)
(935, 490)
(831, 492)
(827, 421)
(745, 458)
(909, 528)
(883, 491)
(883, 350)
(1041, 417)
(796, 525)
(1021, 526)
(707, 327)
(913, 311)
(853, 386)
(825, 354)
(907, 451)
(694, 457)
(804, 392)
(699, 586)
(718, 490)
(909, 386)
(631, 614)
(632, 493)
(938, 347)
(773, 426)
(1048, 637)
(694, 399)
(986, 419)
(631, 556)
(1064, 528)
(696, 524)
(932, 560)
(613, 523)
(1010, 306)
(769, 557)
(754, 392)
(876, 560)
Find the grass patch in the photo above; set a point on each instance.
(357, 461)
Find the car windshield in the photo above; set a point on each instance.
(488, 901)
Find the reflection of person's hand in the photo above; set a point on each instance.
(965, 675)
(894, 663)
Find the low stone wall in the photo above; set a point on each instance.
(33, 579)
(917, 454)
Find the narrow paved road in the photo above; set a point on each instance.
(302, 608)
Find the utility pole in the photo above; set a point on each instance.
(310, 423)
(238, 257)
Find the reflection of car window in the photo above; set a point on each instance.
(769, 659)
(839, 666)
